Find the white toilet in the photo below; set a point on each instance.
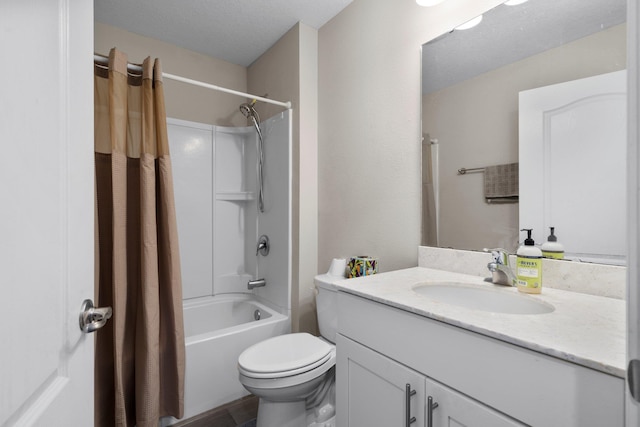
(294, 374)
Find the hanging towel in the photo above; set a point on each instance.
(501, 183)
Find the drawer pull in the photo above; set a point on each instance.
(431, 405)
(407, 398)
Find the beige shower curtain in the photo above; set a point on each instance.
(139, 366)
(429, 224)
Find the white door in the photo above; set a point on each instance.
(573, 153)
(46, 211)
(375, 391)
(632, 403)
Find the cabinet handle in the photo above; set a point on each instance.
(431, 405)
(407, 401)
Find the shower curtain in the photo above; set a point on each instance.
(429, 207)
(139, 365)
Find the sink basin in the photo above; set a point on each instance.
(481, 298)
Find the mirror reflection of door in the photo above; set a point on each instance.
(471, 82)
(572, 150)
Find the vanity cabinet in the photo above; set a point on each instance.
(475, 379)
(378, 391)
(456, 409)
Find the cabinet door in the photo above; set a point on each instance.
(371, 389)
(457, 410)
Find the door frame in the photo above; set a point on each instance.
(632, 408)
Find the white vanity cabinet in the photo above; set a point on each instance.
(379, 391)
(455, 409)
(476, 380)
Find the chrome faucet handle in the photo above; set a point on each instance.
(500, 256)
(263, 246)
(501, 272)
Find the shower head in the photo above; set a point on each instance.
(250, 113)
(247, 110)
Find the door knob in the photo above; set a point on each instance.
(93, 318)
(633, 379)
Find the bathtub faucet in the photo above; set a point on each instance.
(263, 246)
(258, 283)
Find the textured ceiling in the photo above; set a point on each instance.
(237, 31)
(511, 33)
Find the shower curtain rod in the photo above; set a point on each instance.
(104, 60)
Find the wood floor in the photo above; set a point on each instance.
(238, 413)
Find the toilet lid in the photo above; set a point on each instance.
(284, 353)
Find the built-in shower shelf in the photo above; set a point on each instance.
(235, 195)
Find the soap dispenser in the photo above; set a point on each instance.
(529, 266)
(552, 248)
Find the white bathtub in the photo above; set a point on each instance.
(217, 330)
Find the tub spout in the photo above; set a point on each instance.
(258, 283)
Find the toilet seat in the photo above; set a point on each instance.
(288, 373)
(284, 380)
(299, 354)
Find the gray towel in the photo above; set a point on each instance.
(501, 183)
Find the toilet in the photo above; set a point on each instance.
(294, 374)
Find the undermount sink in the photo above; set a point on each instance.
(477, 297)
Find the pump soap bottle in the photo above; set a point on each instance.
(552, 248)
(529, 266)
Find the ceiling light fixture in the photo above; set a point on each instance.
(470, 24)
(428, 3)
(515, 2)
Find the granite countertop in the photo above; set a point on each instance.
(584, 329)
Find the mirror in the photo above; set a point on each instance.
(470, 107)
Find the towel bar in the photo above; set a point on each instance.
(462, 171)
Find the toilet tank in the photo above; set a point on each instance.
(327, 305)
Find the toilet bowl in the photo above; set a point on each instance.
(294, 374)
(284, 372)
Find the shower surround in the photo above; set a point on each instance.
(216, 193)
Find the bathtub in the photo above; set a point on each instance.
(217, 330)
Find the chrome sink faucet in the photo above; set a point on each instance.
(501, 272)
